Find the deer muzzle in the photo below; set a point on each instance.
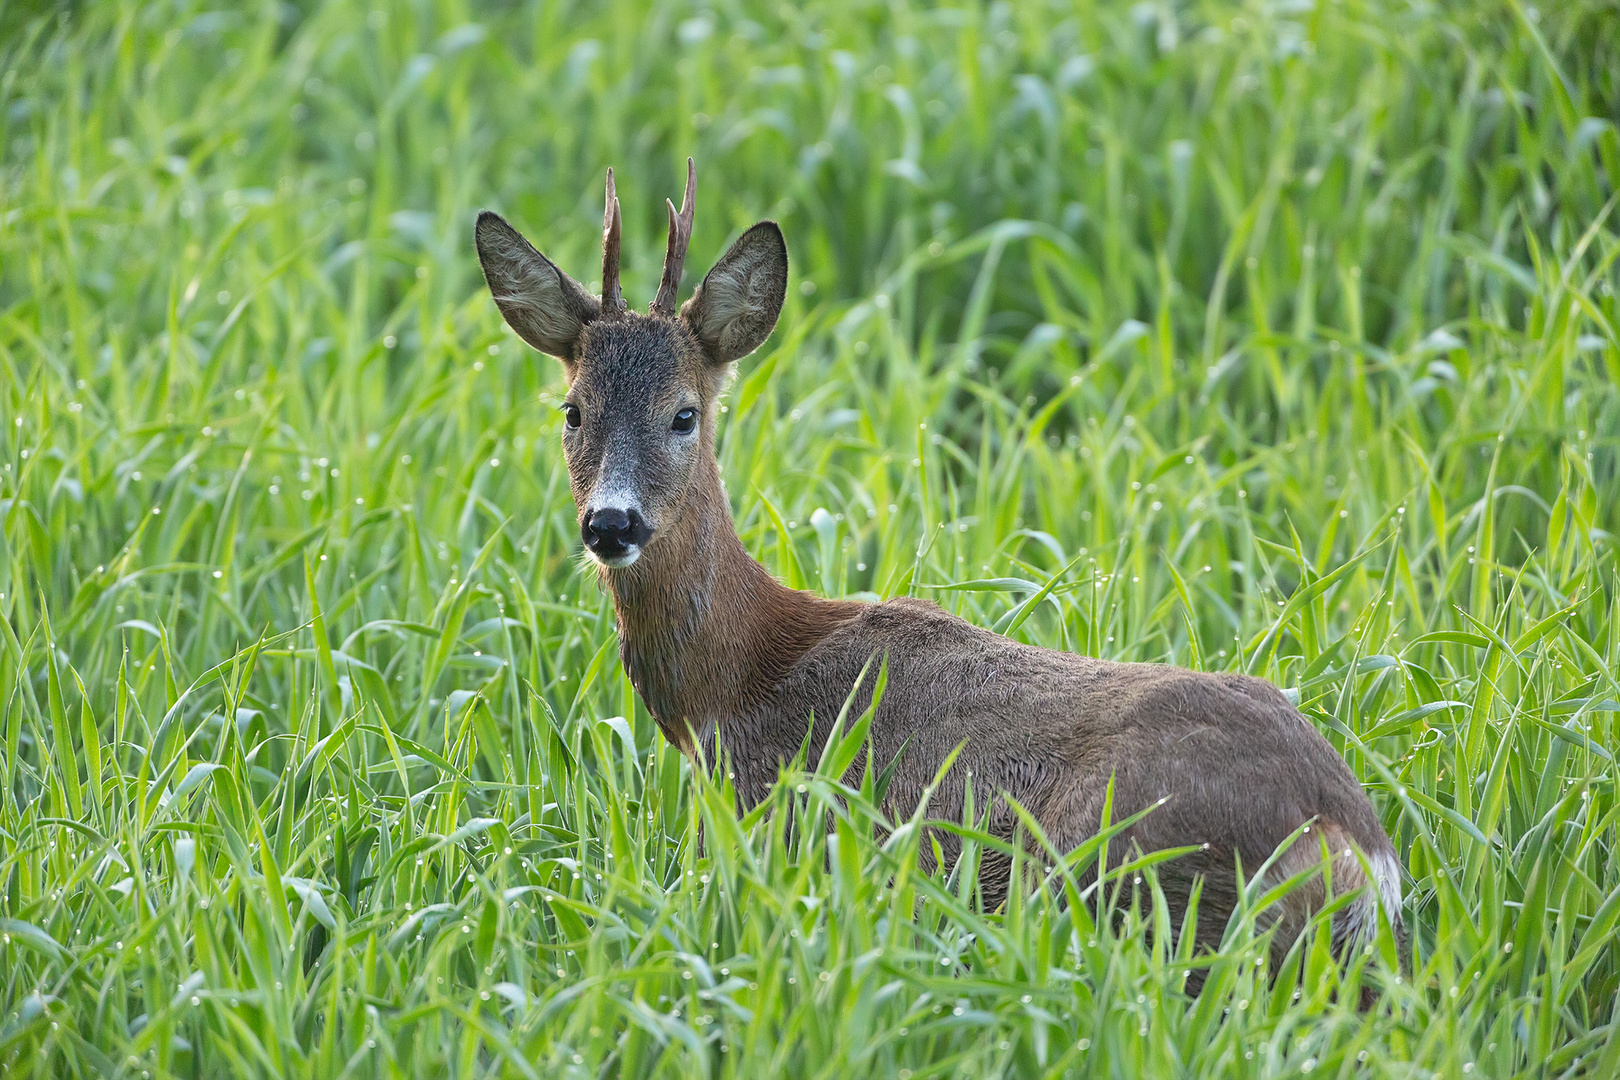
(614, 536)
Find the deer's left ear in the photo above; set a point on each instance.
(735, 308)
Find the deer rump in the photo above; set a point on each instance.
(1237, 768)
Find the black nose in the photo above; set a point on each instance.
(613, 532)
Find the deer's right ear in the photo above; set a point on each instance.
(545, 306)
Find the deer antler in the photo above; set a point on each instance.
(680, 234)
(612, 301)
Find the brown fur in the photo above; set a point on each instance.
(726, 658)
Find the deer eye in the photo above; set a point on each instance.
(685, 420)
(571, 415)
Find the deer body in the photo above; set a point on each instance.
(726, 658)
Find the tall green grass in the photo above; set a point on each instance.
(1288, 328)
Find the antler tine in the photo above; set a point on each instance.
(680, 234)
(612, 301)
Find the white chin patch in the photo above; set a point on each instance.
(617, 562)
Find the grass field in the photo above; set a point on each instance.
(1277, 336)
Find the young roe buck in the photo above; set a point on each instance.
(726, 657)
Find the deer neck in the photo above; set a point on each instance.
(705, 631)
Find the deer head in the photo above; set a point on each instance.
(643, 390)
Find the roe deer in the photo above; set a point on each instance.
(726, 657)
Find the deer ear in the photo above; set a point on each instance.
(545, 306)
(735, 308)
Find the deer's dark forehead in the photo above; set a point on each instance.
(634, 357)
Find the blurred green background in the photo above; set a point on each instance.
(1280, 336)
